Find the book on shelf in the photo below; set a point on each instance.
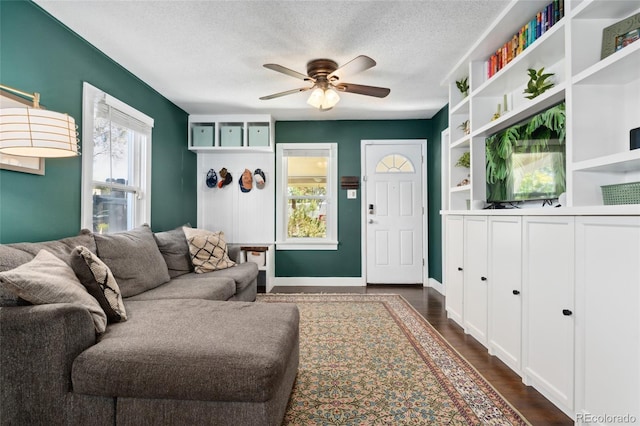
(539, 24)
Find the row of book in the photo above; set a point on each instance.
(527, 35)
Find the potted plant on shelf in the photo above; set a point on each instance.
(538, 83)
(464, 161)
(463, 86)
(465, 127)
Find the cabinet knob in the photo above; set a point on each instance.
(483, 278)
(567, 312)
(459, 268)
(516, 292)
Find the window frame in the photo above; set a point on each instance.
(140, 163)
(283, 242)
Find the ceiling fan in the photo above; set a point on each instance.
(326, 77)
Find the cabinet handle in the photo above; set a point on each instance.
(459, 268)
(567, 312)
(516, 292)
(483, 278)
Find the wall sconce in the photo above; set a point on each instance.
(36, 132)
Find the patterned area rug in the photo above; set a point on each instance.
(374, 360)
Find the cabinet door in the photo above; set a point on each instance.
(608, 318)
(505, 290)
(548, 283)
(454, 268)
(475, 277)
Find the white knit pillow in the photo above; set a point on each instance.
(208, 250)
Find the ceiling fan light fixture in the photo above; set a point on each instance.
(317, 98)
(331, 98)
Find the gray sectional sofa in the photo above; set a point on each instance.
(195, 348)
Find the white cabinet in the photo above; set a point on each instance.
(475, 277)
(454, 268)
(548, 287)
(505, 290)
(607, 317)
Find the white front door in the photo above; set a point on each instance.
(394, 214)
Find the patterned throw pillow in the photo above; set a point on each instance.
(99, 282)
(208, 250)
(47, 279)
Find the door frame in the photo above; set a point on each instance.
(363, 202)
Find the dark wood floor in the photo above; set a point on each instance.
(537, 409)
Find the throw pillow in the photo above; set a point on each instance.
(175, 251)
(134, 258)
(208, 250)
(47, 279)
(99, 282)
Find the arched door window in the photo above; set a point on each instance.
(395, 163)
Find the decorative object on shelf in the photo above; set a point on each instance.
(463, 86)
(464, 160)
(260, 178)
(36, 132)
(246, 181)
(634, 138)
(621, 193)
(465, 127)
(212, 178)
(532, 136)
(619, 35)
(505, 105)
(538, 83)
(496, 114)
(225, 178)
(465, 181)
(528, 34)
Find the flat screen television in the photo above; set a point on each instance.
(526, 161)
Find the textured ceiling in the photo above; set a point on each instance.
(207, 56)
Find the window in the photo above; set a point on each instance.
(307, 197)
(116, 164)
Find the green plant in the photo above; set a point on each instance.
(538, 83)
(463, 86)
(532, 136)
(464, 126)
(464, 160)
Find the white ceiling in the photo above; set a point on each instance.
(207, 56)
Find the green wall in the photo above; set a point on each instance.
(346, 261)
(39, 54)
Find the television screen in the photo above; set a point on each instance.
(527, 161)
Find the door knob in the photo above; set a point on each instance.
(566, 312)
(459, 268)
(370, 220)
(516, 292)
(483, 278)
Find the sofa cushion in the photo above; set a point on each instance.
(47, 279)
(16, 254)
(192, 349)
(134, 258)
(175, 251)
(191, 286)
(208, 250)
(243, 274)
(97, 278)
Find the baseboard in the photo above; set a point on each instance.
(319, 281)
(436, 285)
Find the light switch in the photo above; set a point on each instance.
(352, 194)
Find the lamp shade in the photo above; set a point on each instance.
(33, 132)
(331, 98)
(317, 98)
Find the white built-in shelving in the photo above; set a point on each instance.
(602, 99)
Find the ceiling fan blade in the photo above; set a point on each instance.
(378, 92)
(288, 92)
(287, 71)
(359, 64)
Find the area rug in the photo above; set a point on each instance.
(374, 360)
